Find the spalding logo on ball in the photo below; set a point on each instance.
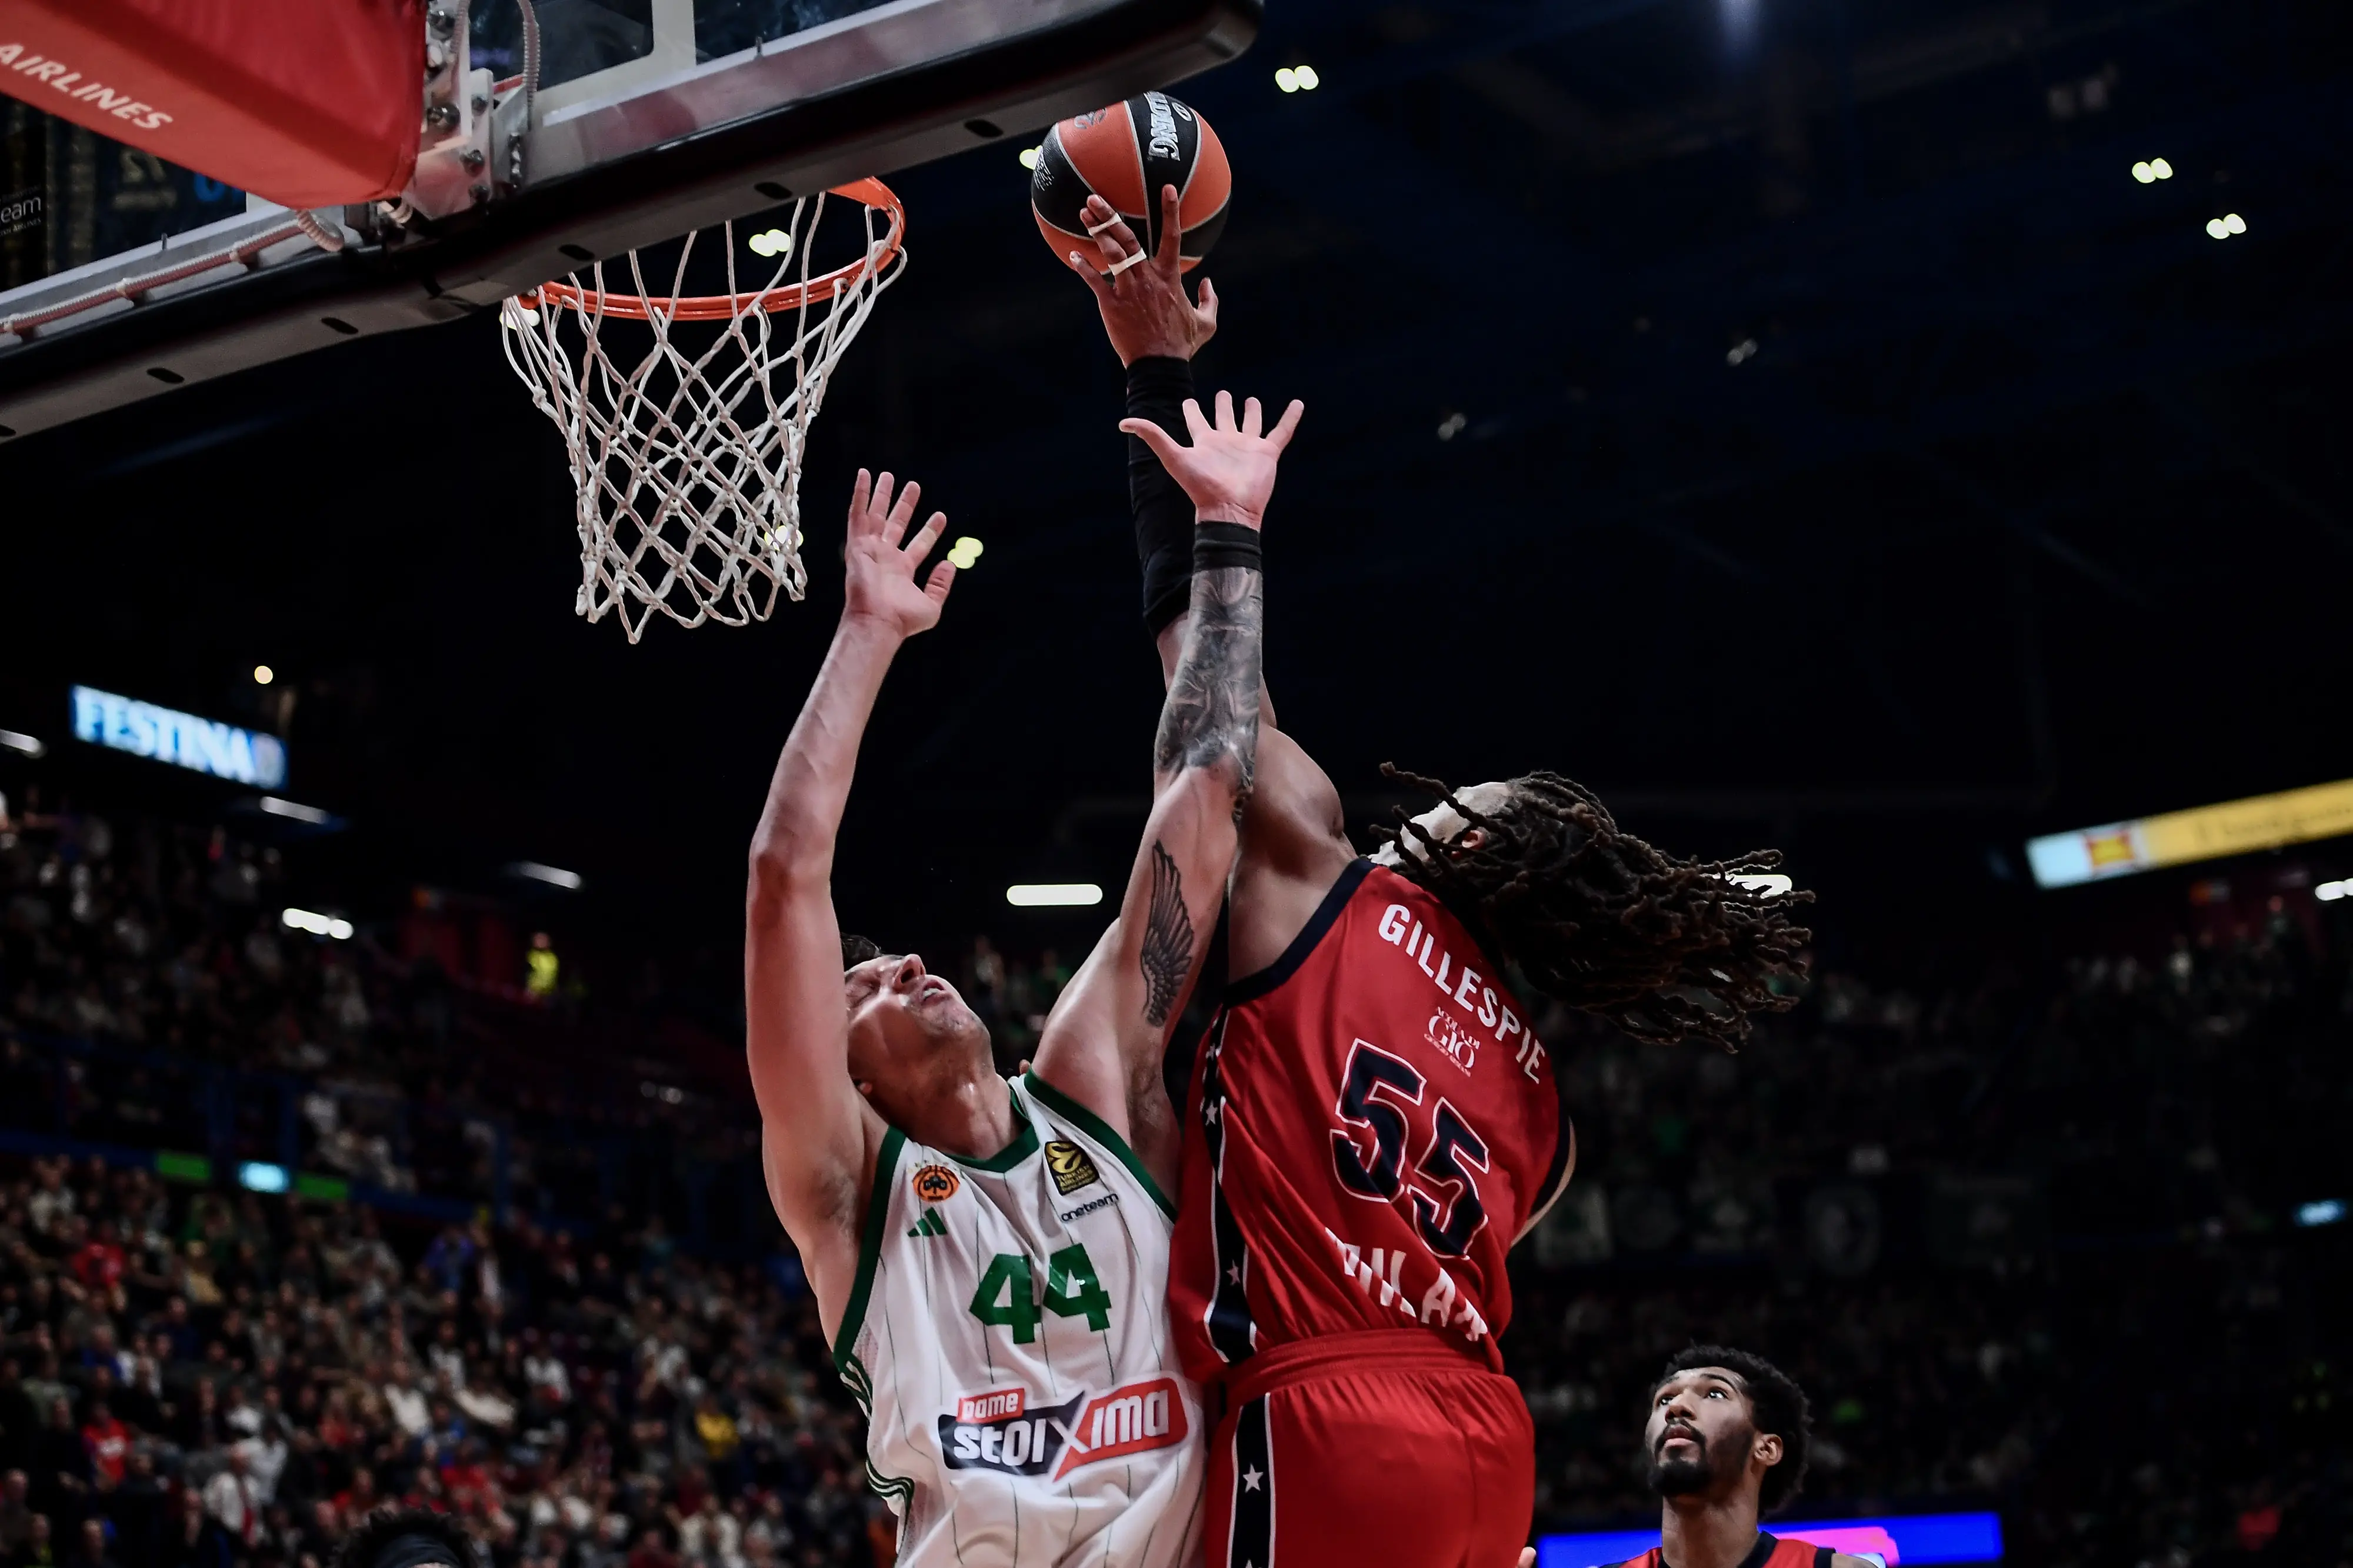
(1125, 154)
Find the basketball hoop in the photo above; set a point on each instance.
(688, 462)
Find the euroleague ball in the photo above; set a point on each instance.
(1125, 154)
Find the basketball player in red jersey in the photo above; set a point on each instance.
(1372, 1121)
(1726, 1442)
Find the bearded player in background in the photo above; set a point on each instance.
(1372, 1121)
(1726, 1445)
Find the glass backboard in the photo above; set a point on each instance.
(649, 119)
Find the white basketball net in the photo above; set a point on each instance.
(688, 458)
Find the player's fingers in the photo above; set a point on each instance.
(902, 512)
(1528, 1557)
(1196, 423)
(936, 586)
(920, 545)
(1116, 246)
(1094, 276)
(1280, 436)
(861, 489)
(1206, 312)
(1164, 446)
(1172, 231)
(878, 509)
(1225, 409)
(1253, 416)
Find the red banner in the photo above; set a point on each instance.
(309, 103)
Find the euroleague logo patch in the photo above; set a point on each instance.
(1071, 1166)
(935, 1184)
(1000, 1430)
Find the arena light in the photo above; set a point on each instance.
(771, 242)
(1029, 157)
(1908, 1538)
(1297, 78)
(260, 1176)
(25, 744)
(1772, 884)
(317, 925)
(2329, 892)
(263, 675)
(1052, 895)
(295, 811)
(2179, 837)
(2151, 170)
(553, 875)
(2327, 1211)
(2228, 224)
(964, 553)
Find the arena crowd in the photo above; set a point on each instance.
(2028, 1232)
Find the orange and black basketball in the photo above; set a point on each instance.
(1125, 154)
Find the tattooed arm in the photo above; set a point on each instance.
(1103, 1045)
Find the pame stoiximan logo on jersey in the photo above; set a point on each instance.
(1002, 1431)
(1071, 1166)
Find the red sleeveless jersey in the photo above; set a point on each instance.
(1371, 1124)
(1770, 1551)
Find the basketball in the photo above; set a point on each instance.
(1125, 153)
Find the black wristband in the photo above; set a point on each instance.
(1157, 386)
(1218, 545)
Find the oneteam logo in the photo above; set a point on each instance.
(202, 745)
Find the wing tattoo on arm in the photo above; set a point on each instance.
(1167, 955)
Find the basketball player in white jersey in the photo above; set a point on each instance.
(990, 1256)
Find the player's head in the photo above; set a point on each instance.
(1726, 1426)
(1664, 948)
(909, 1029)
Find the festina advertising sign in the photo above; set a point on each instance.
(205, 745)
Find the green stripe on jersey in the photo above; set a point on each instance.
(869, 1253)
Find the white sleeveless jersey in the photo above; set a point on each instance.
(1007, 1337)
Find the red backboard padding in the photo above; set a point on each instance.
(309, 103)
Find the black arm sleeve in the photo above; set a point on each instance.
(1156, 390)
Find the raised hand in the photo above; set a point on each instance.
(879, 573)
(1228, 470)
(1143, 300)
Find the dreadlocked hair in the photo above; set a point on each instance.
(1663, 948)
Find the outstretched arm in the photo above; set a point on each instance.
(1294, 841)
(817, 1136)
(1103, 1043)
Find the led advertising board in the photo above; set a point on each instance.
(2207, 833)
(1902, 1539)
(202, 745)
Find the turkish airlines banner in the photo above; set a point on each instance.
(309, 103)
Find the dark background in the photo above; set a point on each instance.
(2029, 510)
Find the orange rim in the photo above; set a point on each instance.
(723, 307)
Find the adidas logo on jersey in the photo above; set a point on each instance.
(930, 1225)
(998, 1430)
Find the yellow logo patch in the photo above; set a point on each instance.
(935, 1184)
(1072, 1168)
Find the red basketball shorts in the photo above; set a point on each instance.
(1376, 1449)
